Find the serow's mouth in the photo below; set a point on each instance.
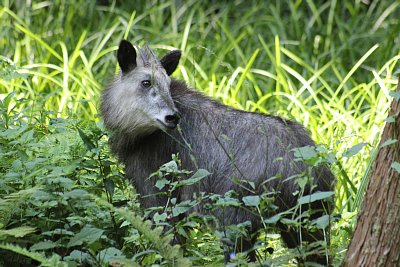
(168, 125)
(170, 121)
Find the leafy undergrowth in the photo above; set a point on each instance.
(48, 181)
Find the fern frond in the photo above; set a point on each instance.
(10, 204)
(154, 235)
(50, 262)
(18, 231)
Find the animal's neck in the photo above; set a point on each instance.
(126, 145)
(191, 101)
(149, 140)
(178, 89)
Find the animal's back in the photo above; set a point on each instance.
(236, 145)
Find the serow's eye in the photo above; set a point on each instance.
(146, 83)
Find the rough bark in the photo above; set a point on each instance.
(376, 240)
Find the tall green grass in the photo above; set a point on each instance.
(327, 64)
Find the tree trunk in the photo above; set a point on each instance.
(376, 240)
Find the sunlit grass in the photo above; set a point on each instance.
(325, 64)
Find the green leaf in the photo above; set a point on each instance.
(182, 207)
(109, 254)
(273, 220)
(322, 222)
(169, 167)
(305, 152)
(390, 119)
(314, 197)
(76, 194)
(86, 140)
(106, 168)
(287, 221)
(177, 210)
(160, 184)
(125, 223)
(6, 101)
(26, 137)
(160, 217)
(388, 142)
(227, 201)
(395, 165)
(8, 70)
(66, 183)
(80, 256)
(43, 245)
(87, 235)
(198, 176)
(19, 231)
(110, 186)
(354, 150)
(251, 201)
(302, 181)
(395, 94)
(61, 232)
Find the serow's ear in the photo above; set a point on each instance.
(170, 61)
(126, 56)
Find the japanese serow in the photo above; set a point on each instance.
(152, 116)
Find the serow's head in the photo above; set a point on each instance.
(140, 98)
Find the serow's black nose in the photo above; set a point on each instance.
(172, 120)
